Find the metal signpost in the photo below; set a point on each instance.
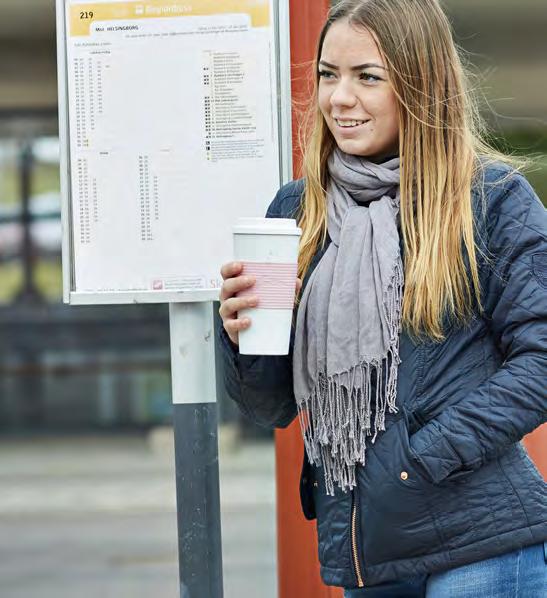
(196, 449)
(174, 120)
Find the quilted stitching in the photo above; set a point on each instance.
(539, 268)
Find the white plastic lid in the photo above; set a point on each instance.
(266, 226)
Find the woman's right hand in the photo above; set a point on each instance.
(230, 304)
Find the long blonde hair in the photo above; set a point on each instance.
(441, 151)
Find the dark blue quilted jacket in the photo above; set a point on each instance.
(448, 482)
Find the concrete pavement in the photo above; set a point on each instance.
(82, 517)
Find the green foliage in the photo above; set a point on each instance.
(531, 143)
(48, 279)
(45, 178)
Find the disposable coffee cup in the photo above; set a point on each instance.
(268, 250)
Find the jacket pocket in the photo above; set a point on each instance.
(396, 501)
(333, 529)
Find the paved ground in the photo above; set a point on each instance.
(95, 517)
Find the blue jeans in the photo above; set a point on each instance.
(519, 574)
(412, 588)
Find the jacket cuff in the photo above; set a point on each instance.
(230, 349)
(432, 449)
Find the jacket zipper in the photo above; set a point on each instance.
(354, 552)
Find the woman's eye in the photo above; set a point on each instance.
(326, 74)
(370, 78)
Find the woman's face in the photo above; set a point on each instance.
(355, 95)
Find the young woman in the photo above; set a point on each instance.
(419, 351)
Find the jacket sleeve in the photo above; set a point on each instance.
(513, 401)
(261, 385)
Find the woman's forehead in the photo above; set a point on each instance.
(348, 43)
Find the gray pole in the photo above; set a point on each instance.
(196, 450)
(28, 294)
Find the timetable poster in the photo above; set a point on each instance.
(173, 134)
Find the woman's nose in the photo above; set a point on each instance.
(343, 95)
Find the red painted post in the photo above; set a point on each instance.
(536, 445)
(298, 566)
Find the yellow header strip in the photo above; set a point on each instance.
(83, 15)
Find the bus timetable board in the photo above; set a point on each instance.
(174, 121)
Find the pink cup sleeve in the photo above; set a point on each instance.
(275, 284)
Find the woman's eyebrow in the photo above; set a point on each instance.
(359, 67)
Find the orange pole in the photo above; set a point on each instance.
(536, 445)
(298, 565)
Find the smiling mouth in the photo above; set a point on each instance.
(350, 124)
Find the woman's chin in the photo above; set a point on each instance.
(359, 147)
(355, 147)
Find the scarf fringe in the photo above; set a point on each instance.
(338, 415)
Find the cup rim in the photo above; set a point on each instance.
(277, 226)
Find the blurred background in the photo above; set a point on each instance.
(87, 491)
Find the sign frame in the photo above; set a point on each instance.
(284, 123)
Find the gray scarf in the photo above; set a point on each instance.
(346, 349)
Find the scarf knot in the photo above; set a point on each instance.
(346, 350)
